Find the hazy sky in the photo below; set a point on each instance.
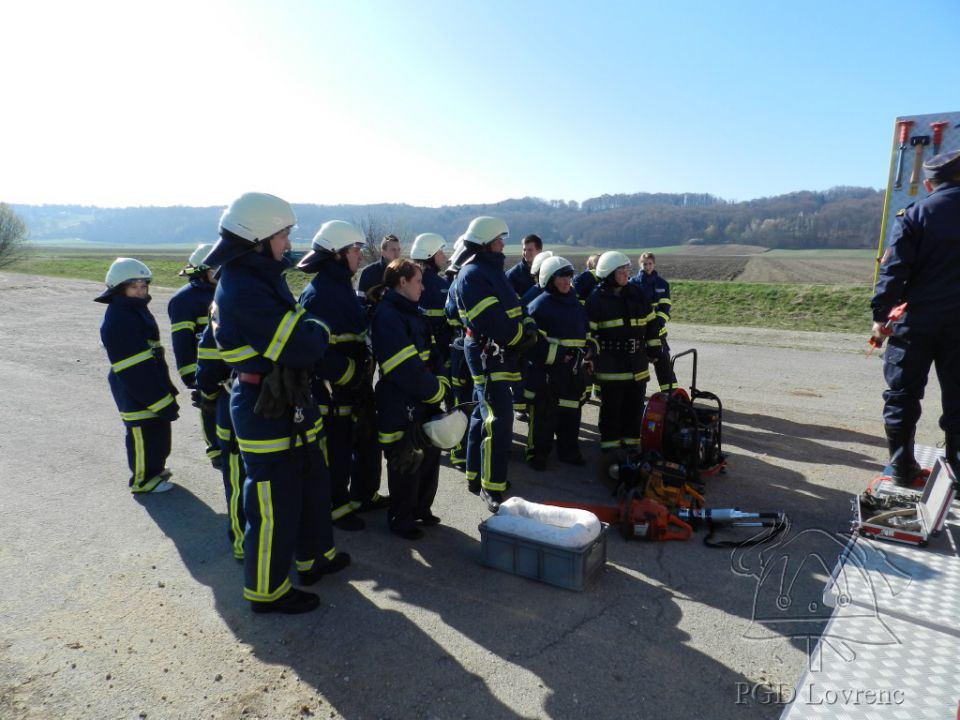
(445, 102)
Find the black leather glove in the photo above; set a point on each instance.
(208, 406)
(272, 401)
(405, 457)
(528, 341)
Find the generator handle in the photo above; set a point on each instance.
(673, 362)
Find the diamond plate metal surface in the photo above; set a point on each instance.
(892, 646)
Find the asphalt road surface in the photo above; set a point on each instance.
(113, 606)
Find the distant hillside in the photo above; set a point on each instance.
(842, 217)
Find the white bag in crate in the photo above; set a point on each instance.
(548, 524)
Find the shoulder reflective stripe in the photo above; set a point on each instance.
(505, 377)
(481, 306)
(280, 337)
(611, 377)
(434, 312)
(203, 320)
(205, 353)
(131, 361)
(514, 312)
(348, 373)
(185, 325)
(610, 323)
(161, 403)
(138, 415)
(571, 404)
(405, 354)
(187, 369)
(348, 337)
(244, 352)
(388, 438)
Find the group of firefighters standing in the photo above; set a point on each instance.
(301, 400)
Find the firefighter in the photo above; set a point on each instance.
(139, 378)
(212, 396)
(556, 379)
(533, 292)
(372, 274)
(343, 381)
(657, 292)
(522, 394)
(627, 332)
(188, 310)
(409, 393)
(497, 335)
(427, 252)
(519, 275)
(584, 282)
(273, 344)
(921, 267)
(460, 379)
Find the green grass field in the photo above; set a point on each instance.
(836, 308)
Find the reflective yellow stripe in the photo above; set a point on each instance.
(571, 404)
(665, 301)
(348, 337)
(551, 354)
(425, 355)
(516, 338)
(654, 343)
(438, 396)
(434, 312)
(139, 465)
(454, 323)
(388, 438)
(645, 375)
(339, 512)
(131, 361)
(244, 352)
(224, 433)
(505, 376)
(348, 373)
(205, 353)
(405, 354)
(203, 320)
(481, 306)
(137, 415)
(210, 396)
(236, 490)
(265, 538)
(261, 447)
(161, 403)
(187, 369)
(342, 410)
(185, 325)
(610, 323)
(663, 315)
(612, 377)
(593, 325)
(514, 312)
(566, 342)
(255, 596)
(284, 329)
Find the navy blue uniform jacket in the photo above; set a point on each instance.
(371, 275)
(188, 310)
(139, 378)
(520, 278)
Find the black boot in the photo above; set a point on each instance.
(328, 567)
(953, 454)
(492, 498)
(904, 469)
(292, 603)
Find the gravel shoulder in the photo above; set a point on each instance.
(116, 607)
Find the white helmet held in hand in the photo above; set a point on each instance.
(426, 245)
(484, 230)
(336, 235)
(446, 430)
(551, 267)
(256, 216)
(609, 262)
(538, 262)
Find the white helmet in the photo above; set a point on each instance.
(538, 262)
(426, 245)
(484, 230)
(446, 430)
(125, 269)
(336, 235)
(609, 262)
(551, 267)
(196, 262)
(256, 216)
(120, 271)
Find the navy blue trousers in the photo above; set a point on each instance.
(148, 447)
(286, 499)
(911, 350)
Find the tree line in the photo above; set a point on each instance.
(842, 217)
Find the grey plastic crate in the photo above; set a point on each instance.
(571, 568)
